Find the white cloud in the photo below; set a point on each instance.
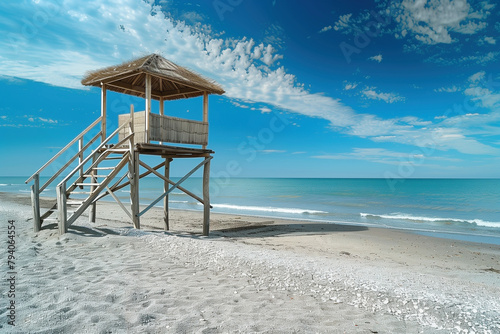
(325, 29)
(488, 40)
(432, 22)
(481, 58)
(377, 58)
(61, 52)
(350, 86)
(485, 97)
(343, 22)
(384, 156)
(370, 93)
(451, 89)
(476, 77)
(271, 151)
(42, 120)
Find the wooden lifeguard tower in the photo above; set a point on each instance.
(101, 159)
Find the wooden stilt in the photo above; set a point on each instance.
(205, 114)
(133, 173)
(206, 198)
(147, 96)
(166, 185)
(93, 206)
(103, 112)
(61, 207)
(134, 188)
(162, 109)
(35, 203)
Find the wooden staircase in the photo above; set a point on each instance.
(93, 182)
(88, 181)
(90, 185)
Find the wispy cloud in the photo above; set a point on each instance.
(481, 94)
(377, 58)
(325, 29)
(271, 151)
(65, 49)
(350, 85)
(487, 40)
(372, 94)
(451, 89)
(384, 156)
(479, 58)
(343, 23)
(434, 22)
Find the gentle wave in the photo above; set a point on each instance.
(266, 209)
(477, 222)
(3, 185)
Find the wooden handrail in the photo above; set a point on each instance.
(84, 132)
(70, 161)
(77, 168)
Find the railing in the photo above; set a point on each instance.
(63, 190)
(36, 190)
(167, 129)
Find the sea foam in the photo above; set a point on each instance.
(477, 222)
(267, 209)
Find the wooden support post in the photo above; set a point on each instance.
(61, 207)
(206, 198)
(134, 188)
(205, 112)
(162, 110)
(35, 203)
(133, 174)
(103, 111)
(166, 185)
(93, 206)
(148, 106)
(162, 107)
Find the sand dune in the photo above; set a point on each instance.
(252, 275)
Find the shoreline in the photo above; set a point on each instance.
(485, 238)
(310, 276)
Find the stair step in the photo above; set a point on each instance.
(82, 192)
(117, 150)
(74, 202)
(54, 211)
(103, 168)
(113, 158)
(95, 176)
(88, 184)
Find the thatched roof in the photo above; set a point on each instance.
(168, 80)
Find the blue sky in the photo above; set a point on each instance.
(324, 89)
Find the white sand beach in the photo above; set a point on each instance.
(251, 275)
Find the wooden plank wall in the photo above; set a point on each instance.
(139, 127)
(167, 129)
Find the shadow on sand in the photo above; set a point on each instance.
(257, 230)
(271, 230)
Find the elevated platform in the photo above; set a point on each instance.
(167, 151)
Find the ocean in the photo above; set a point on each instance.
(465, 209)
